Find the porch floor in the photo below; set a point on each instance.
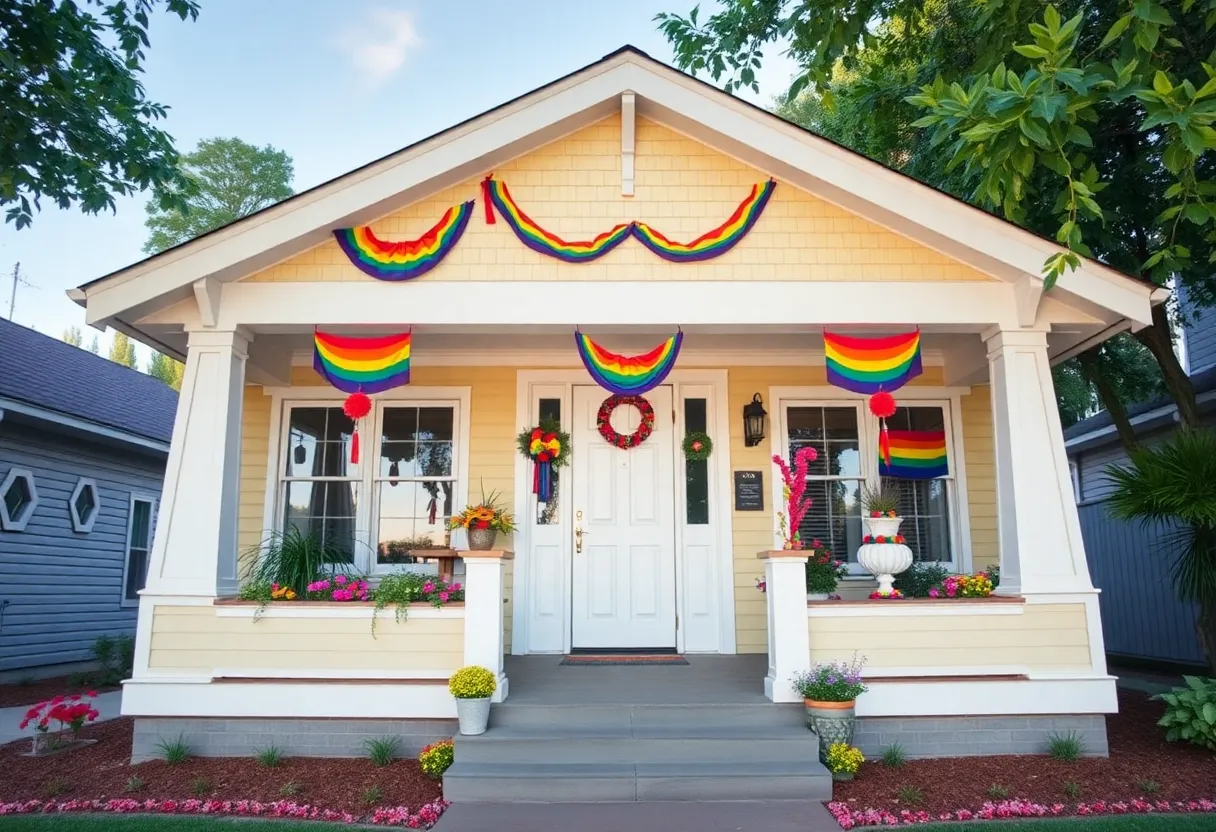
(705, 680)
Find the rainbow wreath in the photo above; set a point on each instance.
(698, 446)
(548, 447)
(603, 421)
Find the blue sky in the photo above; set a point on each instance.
(335, 85)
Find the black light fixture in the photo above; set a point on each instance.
(301, 454)
(753, 422)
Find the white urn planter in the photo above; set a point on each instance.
(884, 560)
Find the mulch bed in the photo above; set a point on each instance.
(12, 696)
(1138, 753)
(101, 771)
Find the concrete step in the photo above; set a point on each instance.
(677, 717)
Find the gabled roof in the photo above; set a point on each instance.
(56, 377)
(730, 125)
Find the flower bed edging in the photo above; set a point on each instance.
(424, 818)
(849, 818)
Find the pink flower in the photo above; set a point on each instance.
(428, 587)
(91, 693)
(443, 596)
(340, 579)
(933, 593)
(455, 587)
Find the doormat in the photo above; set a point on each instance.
(610, 659)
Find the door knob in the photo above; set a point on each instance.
(578, 539)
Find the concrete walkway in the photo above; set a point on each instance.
(109, 704)
(708, 816)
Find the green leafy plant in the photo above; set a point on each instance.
(998, 792)
(290, 788)
(134, 784)
(436, 758)
(269, 757)
(1072, 790)
(400, 589)
(831, 681)
(174, 751)
(911, 796)
(1149, 786)
(1066, 747)
(920, 578)
(882, 500)
(56, 786)
(822, 572)
(894, 756)
(1190, 712)
(293, 559)
(115, 657)
(371, 795)
(382, 750)
(200, 786)
(472, 682)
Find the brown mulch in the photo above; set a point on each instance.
(101, 771)
(1138, 753)
(17, 695)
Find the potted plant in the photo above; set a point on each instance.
(822, 573)
(829, 692)
(880, 507)
(843, 760)
(883, 552)
(483, 522)
(473, 686)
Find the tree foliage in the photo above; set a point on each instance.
(122, 350)
(161, 366)
(72, 335)
(229, 179)
(95, 346)
(75, 125)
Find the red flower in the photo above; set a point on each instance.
(482, 524)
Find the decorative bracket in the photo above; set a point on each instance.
(207, 291)
(628, 109)
(1028, 295)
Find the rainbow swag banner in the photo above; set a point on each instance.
(362, 365)
(712, 243)
(628, 375)
(870, 365)
(915, 455)
(538, 239)
(407, 259)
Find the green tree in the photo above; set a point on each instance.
(72, 335)
(76, 126)
(95, 346)
(163, 367)
(230, 179)
(122, 349)
(1091, 126)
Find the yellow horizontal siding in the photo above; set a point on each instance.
(572, 187)
(1045, 637)
(979, 451)
(195, 639)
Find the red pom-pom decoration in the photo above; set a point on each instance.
(882, 405)
(357, 405)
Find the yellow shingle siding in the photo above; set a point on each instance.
(980, 454)
(572, 188)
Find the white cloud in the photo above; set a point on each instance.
(379, 45)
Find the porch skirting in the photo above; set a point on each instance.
(965, 736)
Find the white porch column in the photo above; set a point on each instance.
(195, 549)
(484, 613)
(1039, 531)
(789, 643)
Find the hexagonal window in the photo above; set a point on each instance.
(18, 499)
(84, 505)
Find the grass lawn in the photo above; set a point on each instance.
(153, 823)
(1120, 823)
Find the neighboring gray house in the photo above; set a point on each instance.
(83, 444)
(1142, 620)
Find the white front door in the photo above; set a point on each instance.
(624, 502)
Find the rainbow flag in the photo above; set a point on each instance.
(407, 259)
(362, 365)
(712, 243)
(915, 455)
(868, 365)
(495, 194)
(628, 375)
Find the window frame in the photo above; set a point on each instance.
(78, 525)
(153, 501)
(948, 399)
(366, 513)
(18, 524)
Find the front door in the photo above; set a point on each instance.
(623, 500)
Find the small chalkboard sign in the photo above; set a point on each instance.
(749, 491)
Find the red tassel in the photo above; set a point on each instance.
(485, 198)
(354, 447)
(884, 442)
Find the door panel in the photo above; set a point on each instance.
(624, 578)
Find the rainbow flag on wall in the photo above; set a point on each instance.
(868, 365)
(355, 364)
(915, 455)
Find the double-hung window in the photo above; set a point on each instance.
(834, 479)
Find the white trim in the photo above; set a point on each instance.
(954, 697)
(911, 609)
(18, 524)
(136, 496)
(948, 672)
(83, 425)
(628, 109)
(322, 700)
(78, 525)
(360, 611)
(328, 674)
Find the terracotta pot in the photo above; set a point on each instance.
(482, 539)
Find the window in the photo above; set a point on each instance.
(834, 479)
(696, 471)
(924, 504)
(415, 482)
(84, 505)
(1074, 473)
(320, 486)
(18, 499)
(139, 546)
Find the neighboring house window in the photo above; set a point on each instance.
(18, 499)
(84, 506)
(139, 545)
(1074, 473)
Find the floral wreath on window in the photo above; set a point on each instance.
(603, 421)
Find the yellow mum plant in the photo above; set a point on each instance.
(843, 758)
(472, 682)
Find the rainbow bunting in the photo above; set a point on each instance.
(628, 375)
(495, 194)
(712, 243)
(407, 259)
(362, 365)
(915, 455)
(868, 365)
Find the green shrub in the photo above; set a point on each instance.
(294, 559)
(1149, 786)
(290, 789)
(1066, 747)
(1072, 790)
(134, 784)
(200, 787)
(174, 751)
(115, 657)
(269, 757)
(436, 758)
(56, 786)
(998, 792)
(371, 796)
(1190, 712)
(911, 796)
(382, 750)
(920, 578)
(894, 756)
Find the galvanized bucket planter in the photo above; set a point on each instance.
(474, 715)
